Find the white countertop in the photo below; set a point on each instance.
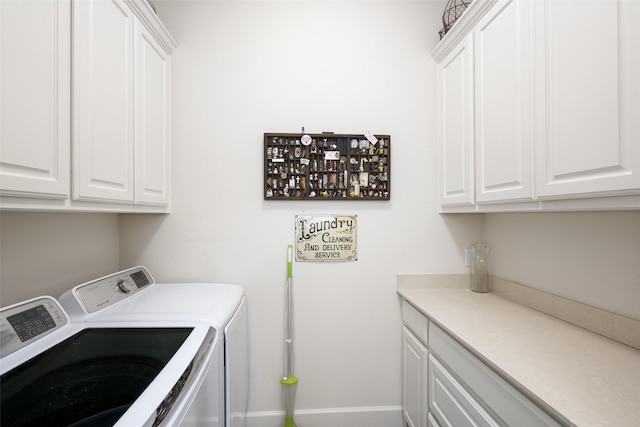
(584, 377)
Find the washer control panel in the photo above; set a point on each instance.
(108, 290)
(24, 323)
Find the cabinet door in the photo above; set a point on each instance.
(152, 124)
(503, 103)
(587, 125)
(103, 101)
(35, 98)
(455, 125)
(414, 385)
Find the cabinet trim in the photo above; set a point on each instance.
(461, 28)
(149, 18)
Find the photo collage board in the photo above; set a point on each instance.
(327, 166)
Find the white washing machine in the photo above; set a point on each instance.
(57, 372)
(133, 296)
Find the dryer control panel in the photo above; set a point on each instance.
(108, 290)
(23, 323)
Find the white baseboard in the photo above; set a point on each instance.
(374, 416)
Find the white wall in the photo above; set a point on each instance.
(48, 253)
(245, 68)
(590, 257)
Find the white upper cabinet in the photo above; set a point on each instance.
(503, 103)
(95, 135)
(588, 124)
(455, 124)
(152, 123)
(556, 107)
(103, 101)
(35, 99)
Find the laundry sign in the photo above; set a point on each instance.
(326, 238)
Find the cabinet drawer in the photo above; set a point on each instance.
(415, 321)
(450, 403)
(494, 392)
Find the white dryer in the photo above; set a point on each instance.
(56, 372)
(133, 296)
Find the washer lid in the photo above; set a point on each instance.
(99, 375)
(211, 303)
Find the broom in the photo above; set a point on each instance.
(289, 381)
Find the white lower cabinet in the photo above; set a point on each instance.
(450, 403)
(414, 374)
(415, 358)
(444, 385)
